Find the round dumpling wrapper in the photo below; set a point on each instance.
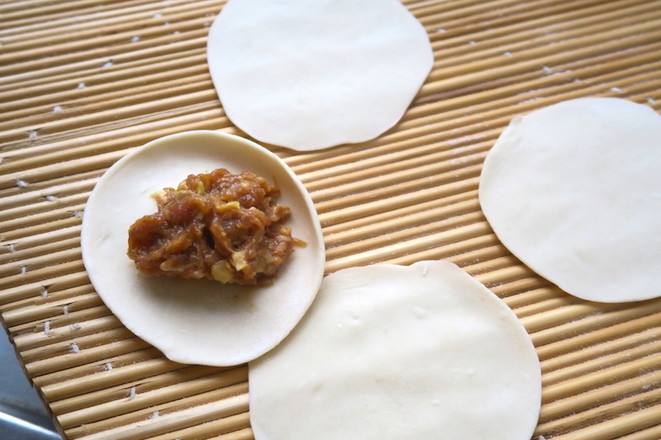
(572, 190)
(198, 321)
(394, 352)
(313, 74)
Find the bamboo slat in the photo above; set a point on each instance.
(83, 82)
(155, 375)
(67, 382)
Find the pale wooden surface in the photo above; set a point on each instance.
(84, 81)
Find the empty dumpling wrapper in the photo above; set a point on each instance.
(313, 74)
(574, 191)
(393, 353)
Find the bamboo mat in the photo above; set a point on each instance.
(82, 82)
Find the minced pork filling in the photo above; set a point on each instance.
(220, 226)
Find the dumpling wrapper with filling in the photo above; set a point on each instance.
(395, 353)
(198, 321)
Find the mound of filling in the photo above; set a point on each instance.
(221, 226)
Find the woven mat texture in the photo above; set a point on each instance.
(83, 82)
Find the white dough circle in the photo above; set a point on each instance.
(198, 321)
(393, 352)
(574, 191)
(313, 74)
